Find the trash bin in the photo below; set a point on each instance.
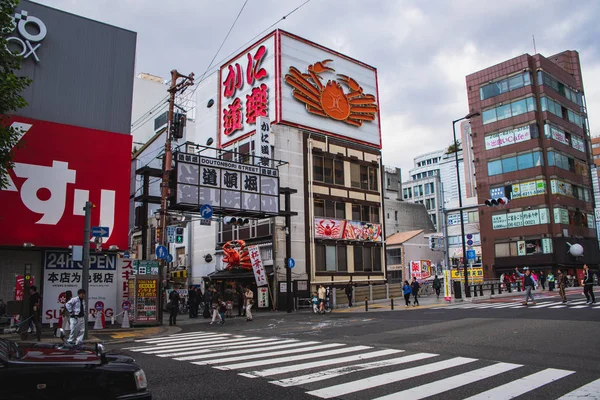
(457, 290)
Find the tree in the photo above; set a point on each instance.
(453, 148)
(11, 87)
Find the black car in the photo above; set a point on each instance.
(62, 371)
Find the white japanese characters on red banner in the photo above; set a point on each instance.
(415, 269)
(262, 142)
(257, 266)
(61, 273)
(263, 297)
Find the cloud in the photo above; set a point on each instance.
(422, 50)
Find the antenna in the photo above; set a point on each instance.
(534, 49)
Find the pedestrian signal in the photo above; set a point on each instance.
(179, 235)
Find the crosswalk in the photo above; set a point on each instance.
(338, 370)
(551, 304)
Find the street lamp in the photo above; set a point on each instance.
(462, 221)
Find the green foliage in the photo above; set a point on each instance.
(11, 87)
(453, 148)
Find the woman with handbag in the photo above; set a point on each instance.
(249, 301)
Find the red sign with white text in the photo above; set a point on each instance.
(57, 169)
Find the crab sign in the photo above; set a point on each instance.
(236, 255)
(330, 100)
(329, 229)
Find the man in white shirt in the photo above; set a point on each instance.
(76, 308)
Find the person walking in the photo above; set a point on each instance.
(222, 310)
(35, 303)
(215, 309)
(66, 325)
(588, 285)
(507, 284)
(207, 303)
(406, 290)
(174, 299)
(77, 310)
(193, 302)
(437, 286)
(550, 281)
(529, 285)
(348, 291)
(415, 290)
(562, 284)
(248, 302)
(321, 293)
(542, 280)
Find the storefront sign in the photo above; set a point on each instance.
(262, 142)
(57, 169)
(518, 219)
(225, 185)
(415, 269)
(506, 138)
(257, 266)
(547, 245)
(61, 273)
(347, 230)
(263, 297)
(447, 285)
(143, 267)
(25, 35)
(329, 228)
(146, 300)
(577, 143)
(499, 221)
(475, 274)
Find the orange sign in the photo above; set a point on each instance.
(147, 288)
(330, 100)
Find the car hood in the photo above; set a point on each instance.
(51, 353)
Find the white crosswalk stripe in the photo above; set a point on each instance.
(579, 304)
(336, 370)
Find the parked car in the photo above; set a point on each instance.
(63, 371)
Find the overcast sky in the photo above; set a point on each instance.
(422, 49)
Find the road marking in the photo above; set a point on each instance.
(589, 391)
(547, 304)
(315, 364)
(390, 377)
(247, 375)
(452, 382)
(183, 335)
(262, 355)
(191, 349)
(160, 346)
(336, 372)
(523, 385)
(186, 341)
(300, 357)
(262, 347)
(583, 306)
(561, 306)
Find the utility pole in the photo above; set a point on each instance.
(162, 223)
(288, 244)
(85, 276)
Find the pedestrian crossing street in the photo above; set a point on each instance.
(337, 370)
(576, 304)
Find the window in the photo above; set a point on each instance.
(356, 212)
(502, 249)
(595, 145)
(358, 261)
(340, 210)
(396, 215)
(515, 163)
(330, 209)
(559, 87)
(473, 216)
(374, 217)
(338, 170)
(407, 193)
(512, 109)
(328, 170)
(394, 256)
(318, 168)
(505, 85)
(373, 179)
(330, 258)
(323, 170)
(557, 109)
(355, 176)
(430, 204)
(319, 208)
(376, 259)
(363, 177)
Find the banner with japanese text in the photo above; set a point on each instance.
(257, 266)
(263, 297)
(61, 273)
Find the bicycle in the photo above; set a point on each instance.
(327, 308)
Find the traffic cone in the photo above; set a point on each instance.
(98, 323)
(125, 323)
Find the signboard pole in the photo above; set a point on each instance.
(288, 244)
(87, 227)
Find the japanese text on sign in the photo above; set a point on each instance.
(257, 266)
(146, 288)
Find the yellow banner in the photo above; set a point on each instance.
(475, 275)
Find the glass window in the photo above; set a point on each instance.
(338, 167)
(358, 259)
(328, 170)
(515, 82)
(503, 111)
(330, 258)
(502, 250)
(525, 160)
(538, 159)
(394, 256)
(320, 258)
(494, 167)
(519, 107)
(318, 168)
(365, 213)
(550, 158)
(340, 210)
(364, 177)
(355, 212)
(319, 208)
(355, 175)
(509, 164)
(374, 215)
(489, 116)
(330, 209)
(544, 103)
(396, 215)
(531, 104)
(373, 179)
(367, 259)
(342, 259)
(427, 191)
(376, 259)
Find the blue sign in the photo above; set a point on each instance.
(470, 236)
(100, 231)
(126, 255)
(169, 258)
(471, 255)
(206, 211)
(291, 263)
(469, 243)
(161, 252)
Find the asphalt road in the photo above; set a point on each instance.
(449, 352)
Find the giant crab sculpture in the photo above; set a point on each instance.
(236, 255)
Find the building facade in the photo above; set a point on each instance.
(532, 145)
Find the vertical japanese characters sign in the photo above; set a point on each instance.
(247, 91)
(415, 269)
(262, 142)
(263, 297)
(257, 266)
(57, 169)
(61, 273)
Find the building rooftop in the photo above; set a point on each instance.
(401, 237)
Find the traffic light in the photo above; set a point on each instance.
(179, 235)
(177, 126)
(432, 243)
(236, 221)
(500, 201)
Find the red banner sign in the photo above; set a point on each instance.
(57, 169)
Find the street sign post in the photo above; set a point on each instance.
(169, 258)
(471, 255)
(291, 263)
(206, 211)
(100, 231)
(171, 233)
(161, 252)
